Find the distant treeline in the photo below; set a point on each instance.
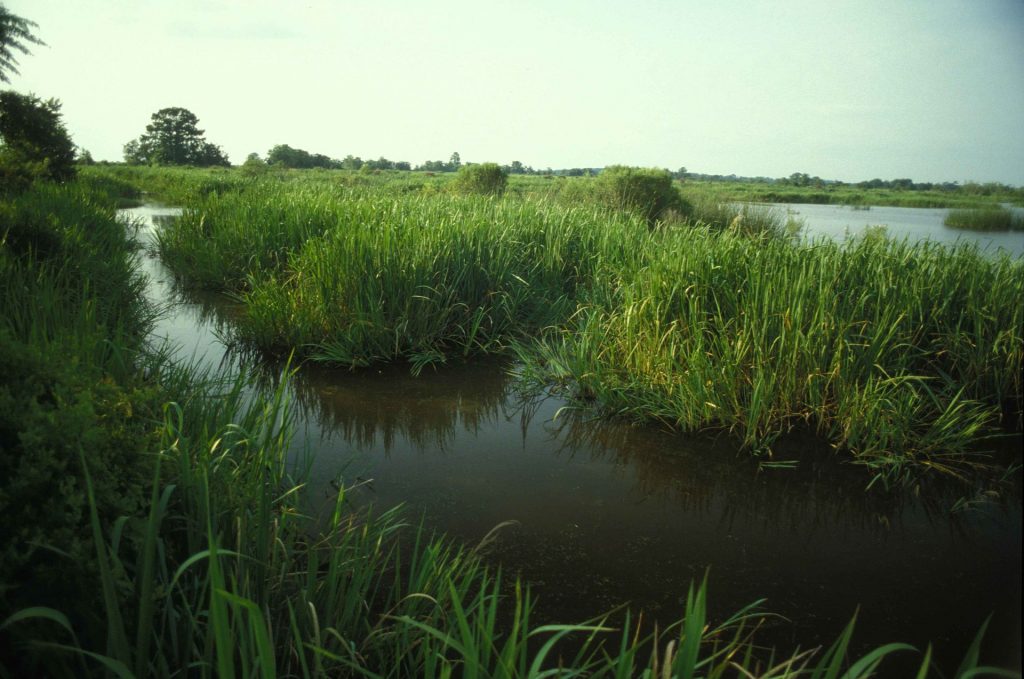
(284, 155)
(802, 179)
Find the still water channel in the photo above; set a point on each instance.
(607, 513)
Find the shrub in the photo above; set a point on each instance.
(254, 166)
(73, 315)
(486, 179)
(648, 191)
(33, 141)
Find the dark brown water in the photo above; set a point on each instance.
(609, 513)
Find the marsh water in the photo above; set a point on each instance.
(914, 224)
(608, 513)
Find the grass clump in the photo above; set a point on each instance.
(985, 219)
(485, 179)
(900, 354)
(424, 279)
(747, 219)
(647, 191)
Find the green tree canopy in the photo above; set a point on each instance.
(33, 140)
(286, 156)
(173, 138)
(14, 33)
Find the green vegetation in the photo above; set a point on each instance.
(33, 142)
(172, 138)
(486, 179)
(15, 31)
(985, 219)
(863, 194)
(647, 191)
(155, 523)
(902, 355)
(286, 156)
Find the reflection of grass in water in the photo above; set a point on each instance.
(702, 472)
(367, 408)
(985, 219)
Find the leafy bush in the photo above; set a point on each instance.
(33, 141)
(486, 179)
(647, 191)
(52, 406)
(254, 166)
(72, 312)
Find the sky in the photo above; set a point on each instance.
(932, 90)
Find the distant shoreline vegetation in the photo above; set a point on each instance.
(797, 188)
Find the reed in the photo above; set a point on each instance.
(904, 355)
(901, 354)
(994, 218)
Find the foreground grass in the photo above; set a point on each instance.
(156, 527)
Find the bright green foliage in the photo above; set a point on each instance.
(647, 191)
(370, 277)
(174, 185)
(902, 354)
(485, 179)
(33, 141)
(254, 166)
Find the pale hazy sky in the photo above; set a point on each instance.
(927, 89)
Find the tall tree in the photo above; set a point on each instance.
(173, 138)
(14, 33)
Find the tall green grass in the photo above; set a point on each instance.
(905, 355)
(995, 218)
(902, 354)
(361, 277)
